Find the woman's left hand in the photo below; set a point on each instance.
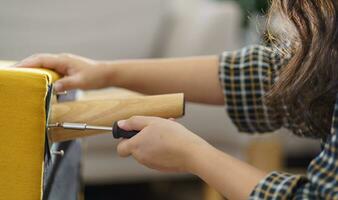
(161, 144)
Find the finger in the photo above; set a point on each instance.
(67, 83)
(124, 148)
(35, 60)
(136, 123)
(50, 61)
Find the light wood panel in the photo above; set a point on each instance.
(105, 111)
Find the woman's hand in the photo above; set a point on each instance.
(77, 72)
(161, 144)
(166, 145)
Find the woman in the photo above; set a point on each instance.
(264, 89)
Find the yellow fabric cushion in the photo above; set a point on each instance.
(22, 131)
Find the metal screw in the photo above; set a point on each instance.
(62, 93)
(58, 153)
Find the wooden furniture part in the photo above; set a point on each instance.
(211, 194)
(265, 153)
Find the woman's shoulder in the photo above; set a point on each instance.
(273, 57)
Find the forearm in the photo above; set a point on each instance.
(231, 177)
(197, 77)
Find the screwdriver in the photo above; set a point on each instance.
(117, 132)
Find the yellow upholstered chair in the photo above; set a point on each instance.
(23, 113)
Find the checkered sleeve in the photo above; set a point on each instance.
(246, 75)
(320, 182)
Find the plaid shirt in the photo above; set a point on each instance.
(246, 75)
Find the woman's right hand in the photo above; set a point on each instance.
(77, 72)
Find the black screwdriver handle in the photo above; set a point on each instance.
(120, 133)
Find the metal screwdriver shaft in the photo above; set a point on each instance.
(115, 129)
(79, 126)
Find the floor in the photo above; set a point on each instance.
(165, 190)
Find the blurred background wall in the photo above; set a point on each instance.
(126, 29)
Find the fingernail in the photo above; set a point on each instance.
(121, 123)
(58, 87)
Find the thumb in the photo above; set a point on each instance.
(67, 83)
(124, 148)
(135, 123)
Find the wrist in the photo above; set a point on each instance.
(198, 154)
(112, 73)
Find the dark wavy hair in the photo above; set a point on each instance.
(308, 84)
